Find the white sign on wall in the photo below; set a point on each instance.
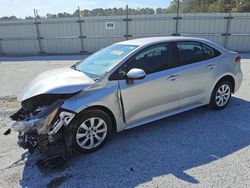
(110, 25)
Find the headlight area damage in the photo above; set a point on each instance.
(41, 124)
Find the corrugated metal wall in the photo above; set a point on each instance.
(97, 36)
(59, 35)
(88, 34)
(151, 25)
(18, 37)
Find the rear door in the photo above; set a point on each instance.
(197, 73)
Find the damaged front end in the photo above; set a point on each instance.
(40, 124)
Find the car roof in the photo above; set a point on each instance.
(152, 40)
(156, 40)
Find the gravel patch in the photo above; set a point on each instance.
(198, 148)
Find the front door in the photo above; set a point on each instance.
(158, 92)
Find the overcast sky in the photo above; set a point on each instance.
(22, 8)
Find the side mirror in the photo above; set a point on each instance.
(136, 74)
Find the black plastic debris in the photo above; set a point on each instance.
(7, 132)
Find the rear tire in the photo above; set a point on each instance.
(221, 95)
(90, 131)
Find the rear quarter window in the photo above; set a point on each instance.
(209, 52)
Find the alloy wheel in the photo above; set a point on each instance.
(91, 133)
(223, 95)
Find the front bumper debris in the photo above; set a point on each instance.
(43, 129)
(39, 120)
(28, 141)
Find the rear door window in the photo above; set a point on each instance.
(189, 52)
(192, 52)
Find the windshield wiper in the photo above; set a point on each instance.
(74, 66)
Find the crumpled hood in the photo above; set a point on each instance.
(56, 81)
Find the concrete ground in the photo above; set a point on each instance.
(198, 148)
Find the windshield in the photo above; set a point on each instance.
(100, 62)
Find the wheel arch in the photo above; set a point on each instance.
(106, 110)
(229, 78)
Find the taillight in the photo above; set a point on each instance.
(237, 59)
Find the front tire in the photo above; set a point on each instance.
(221, 95)
(90, 131)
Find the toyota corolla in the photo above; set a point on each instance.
(122, 86)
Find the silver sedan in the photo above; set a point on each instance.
(124, 85)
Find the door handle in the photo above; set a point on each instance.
(173, 77)
(211, 66)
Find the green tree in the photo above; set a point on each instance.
(172, 7)
(63, 15)
(193, 6)
(29, 18)
(51, 15)
(9, 18)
